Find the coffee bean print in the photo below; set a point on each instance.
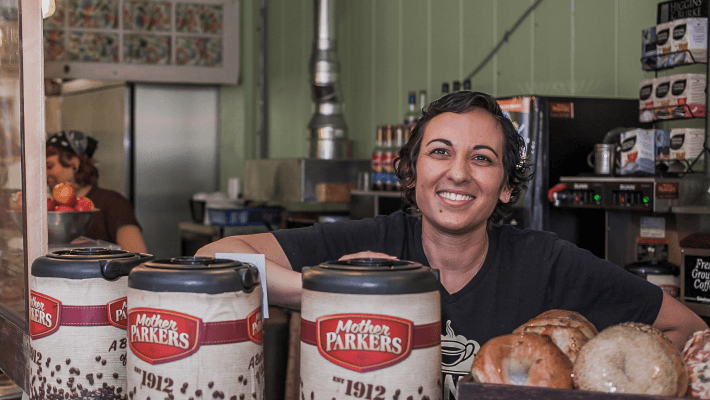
(198, 392)
(425, 397)
(98, 358)
(233, 398)
(58, 367)
(167, 398)
(147, 398)
(103, 362)
(99, 375)
(410, 397)
(215, 394)
(241, 396)
(241, 378)
(68, 361)
(245, 381)
(184, 385)
(311, 395)
(115, 375)
(78, 386)
(253, 394)
(76, 371)
(183, 390)
(420, 390)
(59, 380)
(191, 398)
(51, 373)
(171, 396)
(209, 385)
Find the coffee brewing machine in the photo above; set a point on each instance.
(649, 222)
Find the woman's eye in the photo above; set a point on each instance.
(438, 151)
(481, 158)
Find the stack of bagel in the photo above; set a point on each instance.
(562, 349)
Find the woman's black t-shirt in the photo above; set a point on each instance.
(525, 273)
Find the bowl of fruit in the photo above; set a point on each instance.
(68, 217)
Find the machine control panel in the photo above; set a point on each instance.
(578, 195)
(632, 195)
(654, 194)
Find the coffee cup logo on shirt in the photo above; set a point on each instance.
(254, 326)
(117, 312)
(44, 315)
(364, 342)
(159, 336)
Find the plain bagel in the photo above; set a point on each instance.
(527, 359)
(631, 358)
(696, 355)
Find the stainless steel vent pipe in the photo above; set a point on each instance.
(327, 132)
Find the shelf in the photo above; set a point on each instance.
(701, 210)
(378, 193)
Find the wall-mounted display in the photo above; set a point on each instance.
(194, 41)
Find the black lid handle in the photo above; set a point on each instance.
(249, 277)
(116, 268)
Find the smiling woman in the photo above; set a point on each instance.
(461, 169)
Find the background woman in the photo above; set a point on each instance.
(69, 159)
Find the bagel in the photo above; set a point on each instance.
(696, 354)
(630, 358)
(565, 318)
(525, 358)
(569, 339)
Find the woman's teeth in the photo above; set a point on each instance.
(454, 196)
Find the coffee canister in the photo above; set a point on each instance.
(78, 323)
(370, 329)
(194, 330)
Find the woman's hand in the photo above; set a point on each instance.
(367, 254)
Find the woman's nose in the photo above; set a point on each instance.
(459, 171)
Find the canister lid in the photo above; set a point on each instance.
(194, 275)
(87, 263)
(371, 276)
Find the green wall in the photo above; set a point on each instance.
(389, 47)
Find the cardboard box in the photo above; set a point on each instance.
(648, 48)
(662, 97)
(686, 144)
(638, 153)
(663, 44)
(689, 41)
(687, 95)
(646, 100)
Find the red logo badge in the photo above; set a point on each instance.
(364, 342)
(117, 315)
(159, 336)
(44, 315)
(254, 327)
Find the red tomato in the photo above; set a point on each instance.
(62, 207)
(63, 193)
(84, 204)
(50, 205)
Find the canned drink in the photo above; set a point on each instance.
(371, 328)
(195, 330)
(78, 304)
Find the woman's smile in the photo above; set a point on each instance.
(455, 196)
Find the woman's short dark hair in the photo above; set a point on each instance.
(517, 171)
(86, 174)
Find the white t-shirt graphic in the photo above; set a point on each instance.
(457, 354)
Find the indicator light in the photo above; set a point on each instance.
(623, 199)
(576, 198)
(645, 199)
(597, 197)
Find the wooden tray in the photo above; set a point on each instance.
(469, 390)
